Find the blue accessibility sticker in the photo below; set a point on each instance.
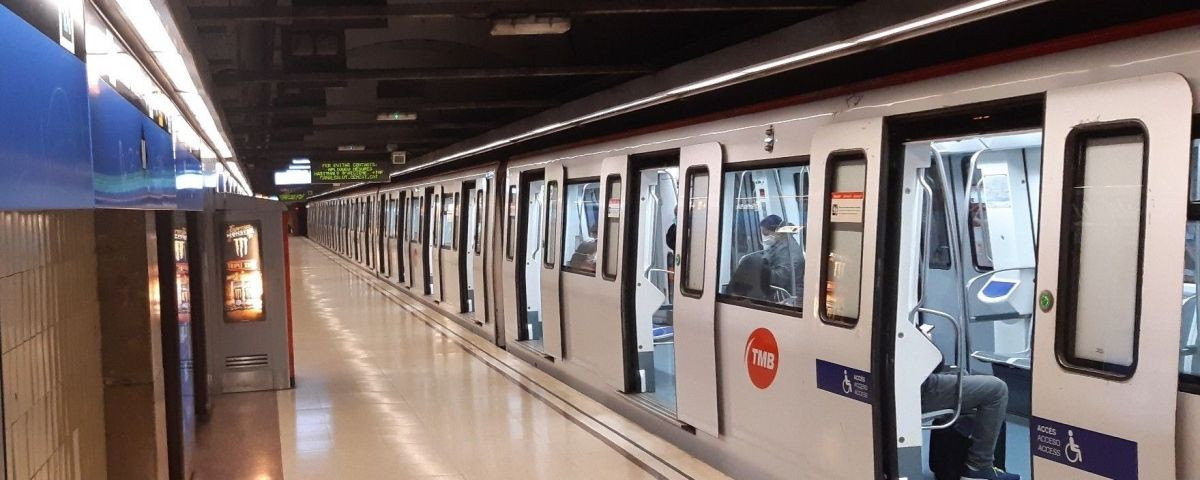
(1080, 448)
(844, 381)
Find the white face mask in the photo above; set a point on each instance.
(768, 240)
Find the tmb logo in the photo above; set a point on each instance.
(762, 358)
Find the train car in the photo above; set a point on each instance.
(1034, 221)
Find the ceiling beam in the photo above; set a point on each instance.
(383, 105)
(482, 9)
(275, 76)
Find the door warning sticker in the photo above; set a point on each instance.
(846, 207)
(844, 381)
(1086, 450)
(762, 358)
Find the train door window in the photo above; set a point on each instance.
(550, 240)
(447, 232)
(510, 241)
(579, 232)
(414, 219)
(1189, 333)
(1104, 206)
(764, 215)
(695, 232)
(467, 249)
(842, 253)
(612, 227)
(652, 283)
(479, 217)
(533, 195)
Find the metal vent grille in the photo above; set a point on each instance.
(243, 362)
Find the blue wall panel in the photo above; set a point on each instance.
(44, 156)
(116, 150)
(189, 180)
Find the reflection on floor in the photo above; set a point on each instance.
(1016, 446)
(664, 375)
(241, 440)
(381, 395)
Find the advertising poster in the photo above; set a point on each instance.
(243, 272)
(182, 278)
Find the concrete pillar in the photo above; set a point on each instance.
(131, 344)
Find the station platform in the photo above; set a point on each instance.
(388, 389)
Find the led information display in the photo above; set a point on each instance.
(242, 255)
(294, 196)
(348, 171)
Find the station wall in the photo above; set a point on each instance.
(50, 337)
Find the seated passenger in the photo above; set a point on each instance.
(750, 279)
(584, 256)
(985, 398)
(783, 255)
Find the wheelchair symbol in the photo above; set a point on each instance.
(1074, 453)
(847, 387)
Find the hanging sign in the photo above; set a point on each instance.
(242, 257)
(348, 171)
(846, 207)
(844, 381)
(1083, 449)
(762, 358)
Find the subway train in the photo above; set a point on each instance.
(1035, 220)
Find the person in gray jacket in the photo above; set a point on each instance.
(783, 255)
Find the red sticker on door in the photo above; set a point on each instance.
(762, 358)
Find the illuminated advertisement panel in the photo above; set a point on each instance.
(243, 272)
(183, 289)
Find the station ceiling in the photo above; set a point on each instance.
(303, 78)
(436, 77)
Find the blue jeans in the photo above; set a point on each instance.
(984, 397)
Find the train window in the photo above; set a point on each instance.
(1101, 250)
(841, 254)
(448, 220)
(551, 223)
(414, 218)
(695, 232)
(510, 241)
(582, 222)
(479, 219)
(764, 212)
(612, 227)
(1189, 331)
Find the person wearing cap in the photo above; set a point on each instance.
(783, 255)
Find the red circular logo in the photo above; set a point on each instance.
(762, 358)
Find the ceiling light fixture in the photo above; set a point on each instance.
(351, 148)
(530, 25)
(301, 161)
(396, 116)
(142, 17)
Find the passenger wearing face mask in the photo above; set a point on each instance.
(783, 255)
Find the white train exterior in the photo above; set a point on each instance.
(752, 403)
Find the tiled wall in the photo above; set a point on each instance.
(50, 338)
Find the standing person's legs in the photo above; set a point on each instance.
(984, 396)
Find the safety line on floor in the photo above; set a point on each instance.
(600, 429)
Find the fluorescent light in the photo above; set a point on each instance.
(299, 167)
(351, 148)
(293, 177)
(143, 18)
(396, 116)
(530, 25)
(301, 161)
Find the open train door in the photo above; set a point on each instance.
(434, 249)
(1114, 199)
(840, 297)
(480, 256)
(696, 290)
(551, 308)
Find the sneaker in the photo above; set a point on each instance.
(990, 473)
